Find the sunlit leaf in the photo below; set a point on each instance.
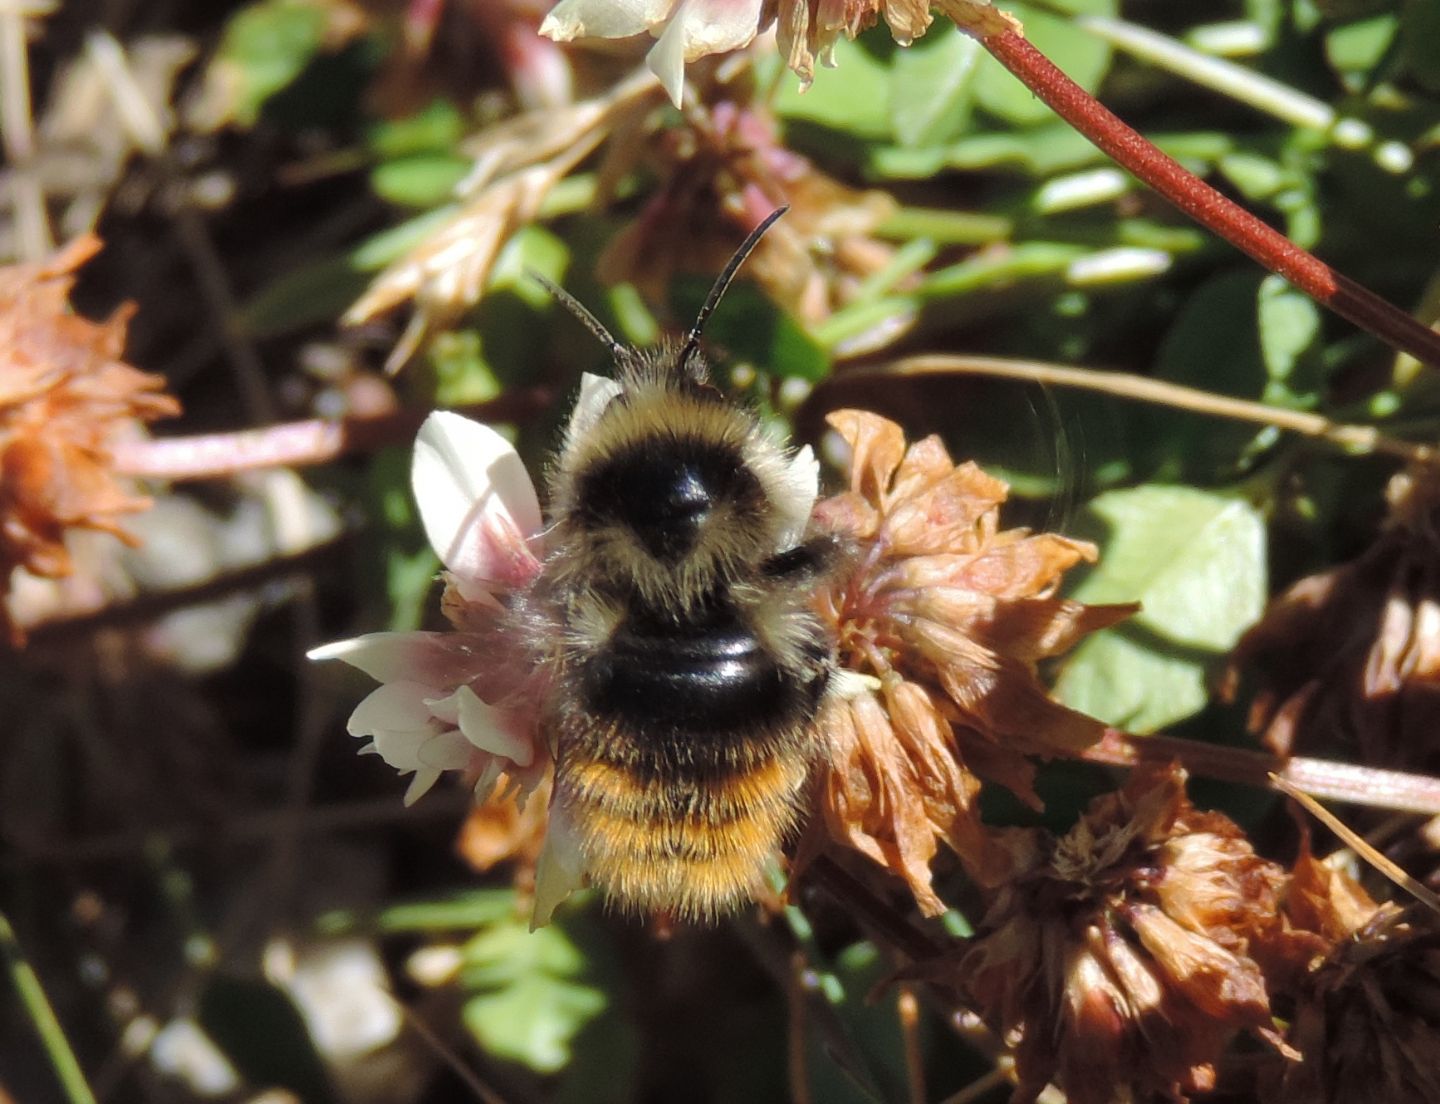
(1195, 561)
(422, 180)
(1290, 331)
(1084, 58)
(932, 87)
(854, 100)
(266, 46)
(527, 994)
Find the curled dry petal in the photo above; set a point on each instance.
(1119, 961)
(949, 614)
(1348, 661)
(1367, 1018)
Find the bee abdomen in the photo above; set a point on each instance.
(693, 846)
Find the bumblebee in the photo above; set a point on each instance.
(687, 665)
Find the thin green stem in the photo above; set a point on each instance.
(47, 1026)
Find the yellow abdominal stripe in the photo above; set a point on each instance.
(701, 863)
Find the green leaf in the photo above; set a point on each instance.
(932, 87)
(1214, 345)
(1195, 561)
(1290, 333)
(528, 997)
(264, 48)
(435, 128)
(420, 181)
(456, 912)
(462, 374)
(855, 99)
(316, 292)
(1084, 58)
(749, 327)
(1355, 49)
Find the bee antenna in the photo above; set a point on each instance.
(722, 285)
(581, 313)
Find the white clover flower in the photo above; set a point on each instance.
(455, 700)
(684, 30)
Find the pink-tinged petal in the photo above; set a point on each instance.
(394, 707)
(420, 785)
(493, 730)
(474, 494)
(572, 19)
(396, 656)
(561, 867)
(595, 395)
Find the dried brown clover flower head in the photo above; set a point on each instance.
(1367, 1022)
(1321, 906)
(1117, 963)
(503, 830)
(724, 173)
(942, 615)
(808, 29)
(65, 398)
(1348, 661)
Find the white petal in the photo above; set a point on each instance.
(717, 26)
(666, 58)
(466, 477)
(390, 656)
(394, 707)
(447, 751)
(571, 19)
(401, 750)
(424, 778)
(595, 395)
(488, 729)
(561, 869)
(796, 495)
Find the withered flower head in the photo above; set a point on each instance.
(65, 398)
(1368, 1018)
(1117, 963)
(941, 619)
(1348, 661)
(724, 172)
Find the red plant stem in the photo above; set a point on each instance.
(1321, 778)
(1207, 206)
(297, 444)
